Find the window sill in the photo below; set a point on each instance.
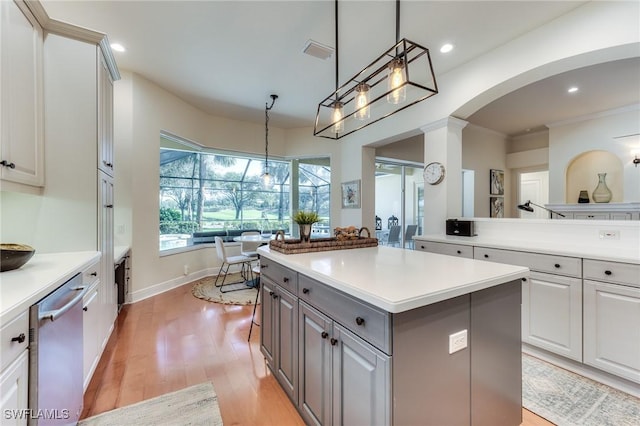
(185, 249)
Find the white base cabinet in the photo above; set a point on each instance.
(14, 388)
(612, 328)
(552, 313)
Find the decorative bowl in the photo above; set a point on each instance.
(13, 256)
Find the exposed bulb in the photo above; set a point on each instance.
(338, 123)
(362, 102)
(396, 80)
(267, 182)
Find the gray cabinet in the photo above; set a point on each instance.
(279, 335)
(343, 379)
(611, 318)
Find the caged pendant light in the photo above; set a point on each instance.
(399, 78)
(267, 181)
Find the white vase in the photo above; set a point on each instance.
(602, 193)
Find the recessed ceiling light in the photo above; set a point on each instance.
(573, 89)
(118, 47)
(446, 48)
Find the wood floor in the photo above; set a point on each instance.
(173, 340)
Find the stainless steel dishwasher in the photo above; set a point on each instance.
(55, 356)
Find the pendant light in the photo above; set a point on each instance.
(267, 180)
(399, 78)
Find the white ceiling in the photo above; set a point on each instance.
(227, 57)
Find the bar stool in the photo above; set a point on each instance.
(256, 274)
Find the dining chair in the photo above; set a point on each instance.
(243, 261)
(408, 235)
(250, 248)
(394, 235)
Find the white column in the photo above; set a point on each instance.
(443, 143)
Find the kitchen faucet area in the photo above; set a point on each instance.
(322, 212)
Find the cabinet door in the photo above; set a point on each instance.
(361, 382)
(105, 117)
(108, 293)
(552, 314)
(286, 360)
(90, 343)
(611, 331)
(621, 216)
(21, 99)
(268, 309)
(14, 391)
(314, 366)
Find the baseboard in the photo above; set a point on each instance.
(592, 373)
(156, 289)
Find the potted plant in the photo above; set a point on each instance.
(305, 220)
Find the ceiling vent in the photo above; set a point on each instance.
(317, 50)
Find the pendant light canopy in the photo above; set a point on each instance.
(267, 180)
(399, 78)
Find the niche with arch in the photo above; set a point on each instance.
(582, 174)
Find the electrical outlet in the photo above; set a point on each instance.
(609, 235)
(457, 341)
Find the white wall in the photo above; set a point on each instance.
(482, 150)
(569, 140)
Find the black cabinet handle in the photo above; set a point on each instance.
(275, 296)
(557, 265)
(94, 274)
(21, 338)
(422, 247)
(608, 272)
(108, 206)
(305, 290)
(271, 293)
(334, 341)
(85, 309)
(524, 280)
(9, 165)
(359, 320)
(285, 279)
(486, 256)
(264, 266)
(324, 335)
(458, 251)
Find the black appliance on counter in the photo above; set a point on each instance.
(463, 228)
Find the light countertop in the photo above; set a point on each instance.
(394, 279)
(119, 252)
(25, 286)
(560, 248)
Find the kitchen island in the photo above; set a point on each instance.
(389, 336)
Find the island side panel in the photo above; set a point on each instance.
(496, 355)
(430, 386)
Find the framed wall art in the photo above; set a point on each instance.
(496, 182)
(496, 205)
(351, 194)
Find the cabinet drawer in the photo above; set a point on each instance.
(446, 248)
(591, 216)
(280, 275)
(368, 322)
(560, 265)
(17, 329)
(619, 273)
(91, 275)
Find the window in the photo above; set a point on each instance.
(204, 194)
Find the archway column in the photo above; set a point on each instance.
(443, 143)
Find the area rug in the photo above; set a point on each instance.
(568, 399)
(195, 405)
(205, 289)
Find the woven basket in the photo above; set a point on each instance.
(295, 246)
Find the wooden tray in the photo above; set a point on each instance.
(295, 246)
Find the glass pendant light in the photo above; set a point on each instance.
(338, 114)
(362, 102)
(396, 79)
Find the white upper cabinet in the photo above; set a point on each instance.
(105, 117)
(21, 106)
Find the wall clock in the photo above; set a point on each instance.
(433, 173)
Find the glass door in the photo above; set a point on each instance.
(399, 191)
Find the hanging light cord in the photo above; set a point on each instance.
(267, 108)
(336, 8)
